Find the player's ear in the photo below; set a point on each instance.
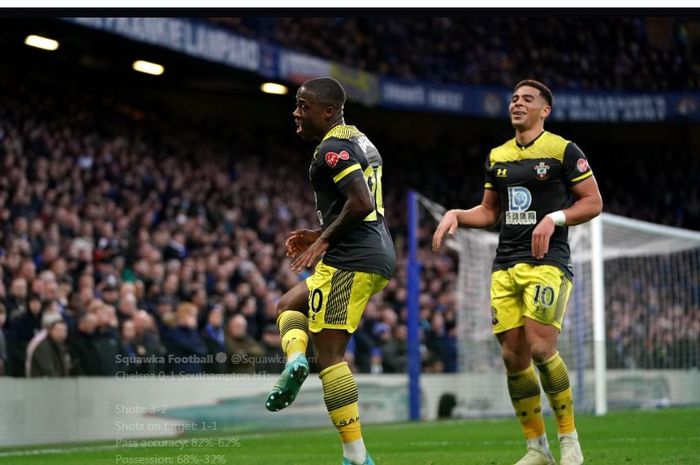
(546, 110)
(330, 112)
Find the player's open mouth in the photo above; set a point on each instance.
(299, 128)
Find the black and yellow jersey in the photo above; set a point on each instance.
(344, 154)
(532, 181)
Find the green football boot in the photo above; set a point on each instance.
(288, 384)
(368, 461)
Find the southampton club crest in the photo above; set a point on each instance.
(541, 170)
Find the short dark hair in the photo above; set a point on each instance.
(544, 90)
(327, 90)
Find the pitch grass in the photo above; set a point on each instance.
(636, 437)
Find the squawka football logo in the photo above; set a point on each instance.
(332, 158)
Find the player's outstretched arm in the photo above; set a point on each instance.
(482, 216)
(358, 204)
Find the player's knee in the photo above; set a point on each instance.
(541, 351)
(280, 308)
(283, 304)
(328, 360)
(329, 352)
(513, 360)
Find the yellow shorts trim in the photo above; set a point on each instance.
(538, 292)
(337, 298)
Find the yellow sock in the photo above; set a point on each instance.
(294, 329)
(555, 382)
(340, 395)
(525, 395)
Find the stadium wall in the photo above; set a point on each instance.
(85, 409)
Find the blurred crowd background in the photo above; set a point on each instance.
(137, 241)
(571, 52)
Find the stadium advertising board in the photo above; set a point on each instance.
(486, 102)
(298, 67)
(186, 36)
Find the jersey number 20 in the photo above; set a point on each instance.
(373, 176)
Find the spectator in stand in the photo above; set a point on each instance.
(214, 338)
(434, 343)
(107, 339)
(17, 298)
(164, 309)
(127, 307)
(185, 348)
(395, 350)
(273, 358)
(253, 316)
(83, 348)
(130, 361)
(51, 357)
(241, 349)
(49, 314)
(22, 328)
(147, 344)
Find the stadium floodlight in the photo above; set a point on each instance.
(273, 88)
(148, 67)
(43, 43)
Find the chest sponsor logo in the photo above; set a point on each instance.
(582, 165)
(502, 173)
(332, 158)
(519, 200)
(541, 171)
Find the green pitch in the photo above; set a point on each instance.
(640, 438)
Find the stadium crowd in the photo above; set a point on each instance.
(653, 321)
(568, 52)
(138, 244)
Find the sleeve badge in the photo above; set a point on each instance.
(582, 165)
(332, 158)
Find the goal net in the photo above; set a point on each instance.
(646, 350)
